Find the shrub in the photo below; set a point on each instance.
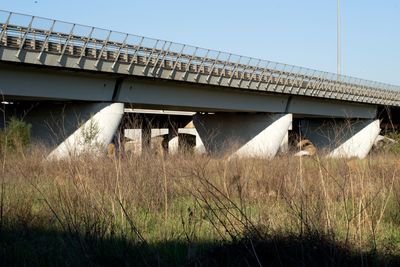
(16, 136)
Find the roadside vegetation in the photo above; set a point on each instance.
(196, 210)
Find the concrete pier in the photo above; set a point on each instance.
(342, 138)
(70, 128)
(249, 134)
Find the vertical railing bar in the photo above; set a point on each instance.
(46, 40)
(25, 36)
(33, 40)
(271, 76)
(254, 72)
(234, 70)
(244, 71)
(158, 56)
(202, 64)
(295, 79)
(315, 86)
(164, 55)
(223, 68)
(310, 78)
(340, 87)
(348, 87)
(66, 43)
(84, 47)
(102, 50)
(354, 88)
(332, 85)
(4, 28)
(287, 77)
(363, 92)
(317, 82)
(119, 51)
(262, 74)
(150, 56)
(213, 66)
(178, 57)
(190, 61)
(321, 83)
(279, 77)
(163, 58)
(134, 55)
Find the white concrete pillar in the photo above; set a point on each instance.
(284, 147)
(342, 138)
(145, 138)
(199, 147)
(93, 134)
(173, 140)
(243, 135)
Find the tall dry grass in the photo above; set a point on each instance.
(188, 209)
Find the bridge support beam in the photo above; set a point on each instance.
(242, 135)
(342, 138)
(73, 128)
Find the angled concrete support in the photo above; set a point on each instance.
(70, 128)
(284, 147)
(242, 135)
(173, 140)
(93, 134)
(342, 138)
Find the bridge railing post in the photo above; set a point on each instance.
(25, 36)
(119, 51)
(46, 41)
(4, 29)
(135, 54)
(253, 73)
(213, 66)
(178, 58)
(66, 43)
(234, 70)
(223, 68)
(151, 55)
(163, 59)
(271, 70)
(83, 52)
(102, 50)
(244, 69)
(262, 74)
(203, 59)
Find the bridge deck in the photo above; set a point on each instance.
(164, 59)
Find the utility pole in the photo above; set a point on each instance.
(338, 38)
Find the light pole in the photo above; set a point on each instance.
(338, 38)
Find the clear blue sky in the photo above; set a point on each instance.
(299, 32)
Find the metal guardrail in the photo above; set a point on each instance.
(42, 35)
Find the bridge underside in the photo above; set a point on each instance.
(64, 92)
(21, 82)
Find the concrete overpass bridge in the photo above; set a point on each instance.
(80, 72)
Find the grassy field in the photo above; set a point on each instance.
(193, 210)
